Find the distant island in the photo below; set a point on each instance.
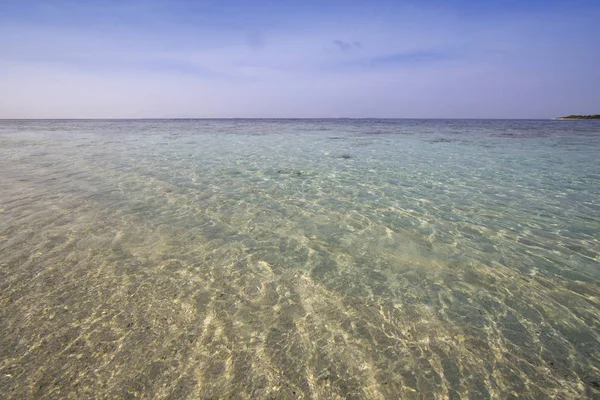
(595, 116)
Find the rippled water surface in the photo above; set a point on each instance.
(311, 259)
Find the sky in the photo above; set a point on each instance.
(299, 59)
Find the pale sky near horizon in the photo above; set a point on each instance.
(329, 58)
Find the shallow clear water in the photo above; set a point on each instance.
(326, 259)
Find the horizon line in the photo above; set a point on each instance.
(272, 118)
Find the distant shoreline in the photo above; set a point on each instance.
(576, 117)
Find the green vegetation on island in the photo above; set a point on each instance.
(594, 116)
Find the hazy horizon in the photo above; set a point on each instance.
(182, 59)
(277, 118)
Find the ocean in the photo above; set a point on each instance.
(300, 259)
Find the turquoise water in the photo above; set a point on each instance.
(309, 259)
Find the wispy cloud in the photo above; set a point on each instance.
(347, 46)
(255, 40)
(422, 58)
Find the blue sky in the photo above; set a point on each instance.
(328, 58)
